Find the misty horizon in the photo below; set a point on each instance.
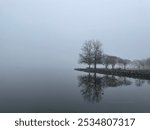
(41, 42)
(51, 33)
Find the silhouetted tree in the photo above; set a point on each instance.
(109, 60)
(113, 61)
(87, 54)
(142, 63)
(106, 61)
(91, 88)
(125, 62)
(91, 53)
(120, 62)
(97, 52)
(137, 64)
(148, 63)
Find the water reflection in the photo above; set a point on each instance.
(92, 89)
(139, 82)
(93, 85)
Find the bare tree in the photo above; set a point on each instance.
(91, 53)
(86, 57)
(106, 60)
(110, 60)
(136, 63)
(113, 61)
(97, 52)
(148, 63)
(125, 62)
(142, 63)
(120, 62)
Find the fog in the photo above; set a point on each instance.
(50, 33)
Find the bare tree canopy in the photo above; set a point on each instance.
(91, 53)
(113, 61)
(124, 62)
(106, 60)
(87, 54)
(141, 64)
(110, 60)
(97, 51)
(148, 63)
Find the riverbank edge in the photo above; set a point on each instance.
(140, 74)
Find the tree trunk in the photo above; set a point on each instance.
(95, 63)
(124, 67)
(89, 66)
(95, 68)
(95, 79)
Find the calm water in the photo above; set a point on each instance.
(66, 90)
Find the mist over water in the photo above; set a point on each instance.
(67, 90)
(40, 42)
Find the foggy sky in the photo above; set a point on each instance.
(50, 33)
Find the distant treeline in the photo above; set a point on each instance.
(92, 54)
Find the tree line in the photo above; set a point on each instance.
(92, 54)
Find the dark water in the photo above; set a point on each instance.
(66, 90)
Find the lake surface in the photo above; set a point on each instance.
(67, 90)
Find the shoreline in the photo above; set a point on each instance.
(139, 74)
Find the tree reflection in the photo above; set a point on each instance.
(139, 82)
(93, 85)
(148, 81)
(92, 90)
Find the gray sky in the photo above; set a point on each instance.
(36, 33)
